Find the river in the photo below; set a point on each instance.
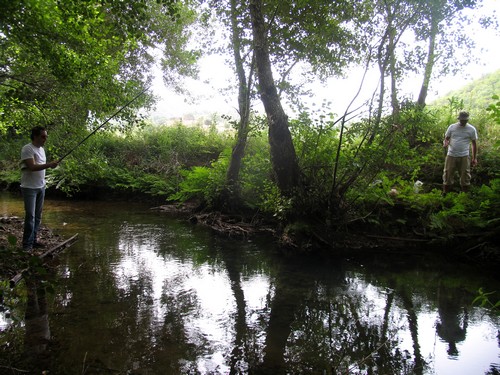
(143, 292)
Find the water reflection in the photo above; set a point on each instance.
(145, 294)
(37, 330)
(453, 318)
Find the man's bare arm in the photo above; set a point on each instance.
(32, 166)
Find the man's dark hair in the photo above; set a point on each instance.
(36, 131)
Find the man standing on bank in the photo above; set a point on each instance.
(33, 166)
(458, 139)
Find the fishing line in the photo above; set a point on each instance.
(104, 123)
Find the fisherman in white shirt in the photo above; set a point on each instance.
(33, 166)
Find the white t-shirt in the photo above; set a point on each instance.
(32, 179)
(460, 138)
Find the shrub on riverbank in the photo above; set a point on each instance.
(146, 161)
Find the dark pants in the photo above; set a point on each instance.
(33, 205)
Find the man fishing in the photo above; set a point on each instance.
(33, 166)
(458, 138)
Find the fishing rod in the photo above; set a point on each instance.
(104, 123)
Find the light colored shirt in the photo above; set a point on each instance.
(460, 139)
(32, 179)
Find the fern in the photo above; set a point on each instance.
(193, 185)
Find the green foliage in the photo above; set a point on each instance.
(494, 109)
(452, 215)
(483, 299)
(10, 152)
(476, 94)
(203, 183)
(255, 175)
(124, 180)
(274, 203)
(10, 177)
(487, 206)
(147, 161)
(193, 185)
(87, 59)
(420, 127)
(429, 212)
(316, 141)
(75, 173)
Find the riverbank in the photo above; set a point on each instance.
(471, 250)
(14, 258)
(479, 250)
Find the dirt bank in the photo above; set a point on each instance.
(11, 235)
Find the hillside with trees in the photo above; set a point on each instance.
(475, 95)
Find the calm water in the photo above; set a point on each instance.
(144, 293)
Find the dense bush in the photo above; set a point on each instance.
(148, 160)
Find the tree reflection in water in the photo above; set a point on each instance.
(316, 316)
(37, 330)
(144, 294)
(337, 331)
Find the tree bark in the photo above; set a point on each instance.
(283, 156)
(429, 65)
(382, 61)
(232, 176)
(392, 68)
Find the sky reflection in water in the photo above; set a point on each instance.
(144, 292)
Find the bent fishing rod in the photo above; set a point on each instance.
(100, 126)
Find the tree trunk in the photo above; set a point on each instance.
(238, 152)
(393, 72)
(283, 156)
(382, 61)
(429, 65)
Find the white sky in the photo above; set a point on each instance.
(215, 76)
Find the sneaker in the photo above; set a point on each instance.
(38, 245)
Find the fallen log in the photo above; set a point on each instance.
(49, 253)
(61, 246)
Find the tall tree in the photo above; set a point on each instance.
(318, 35)
(313, 35)
(244, 67)
(244, 95)
(283, 157)
(438, 26)
(418, 37)
(392, 19)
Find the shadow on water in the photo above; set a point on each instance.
(142, 293)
